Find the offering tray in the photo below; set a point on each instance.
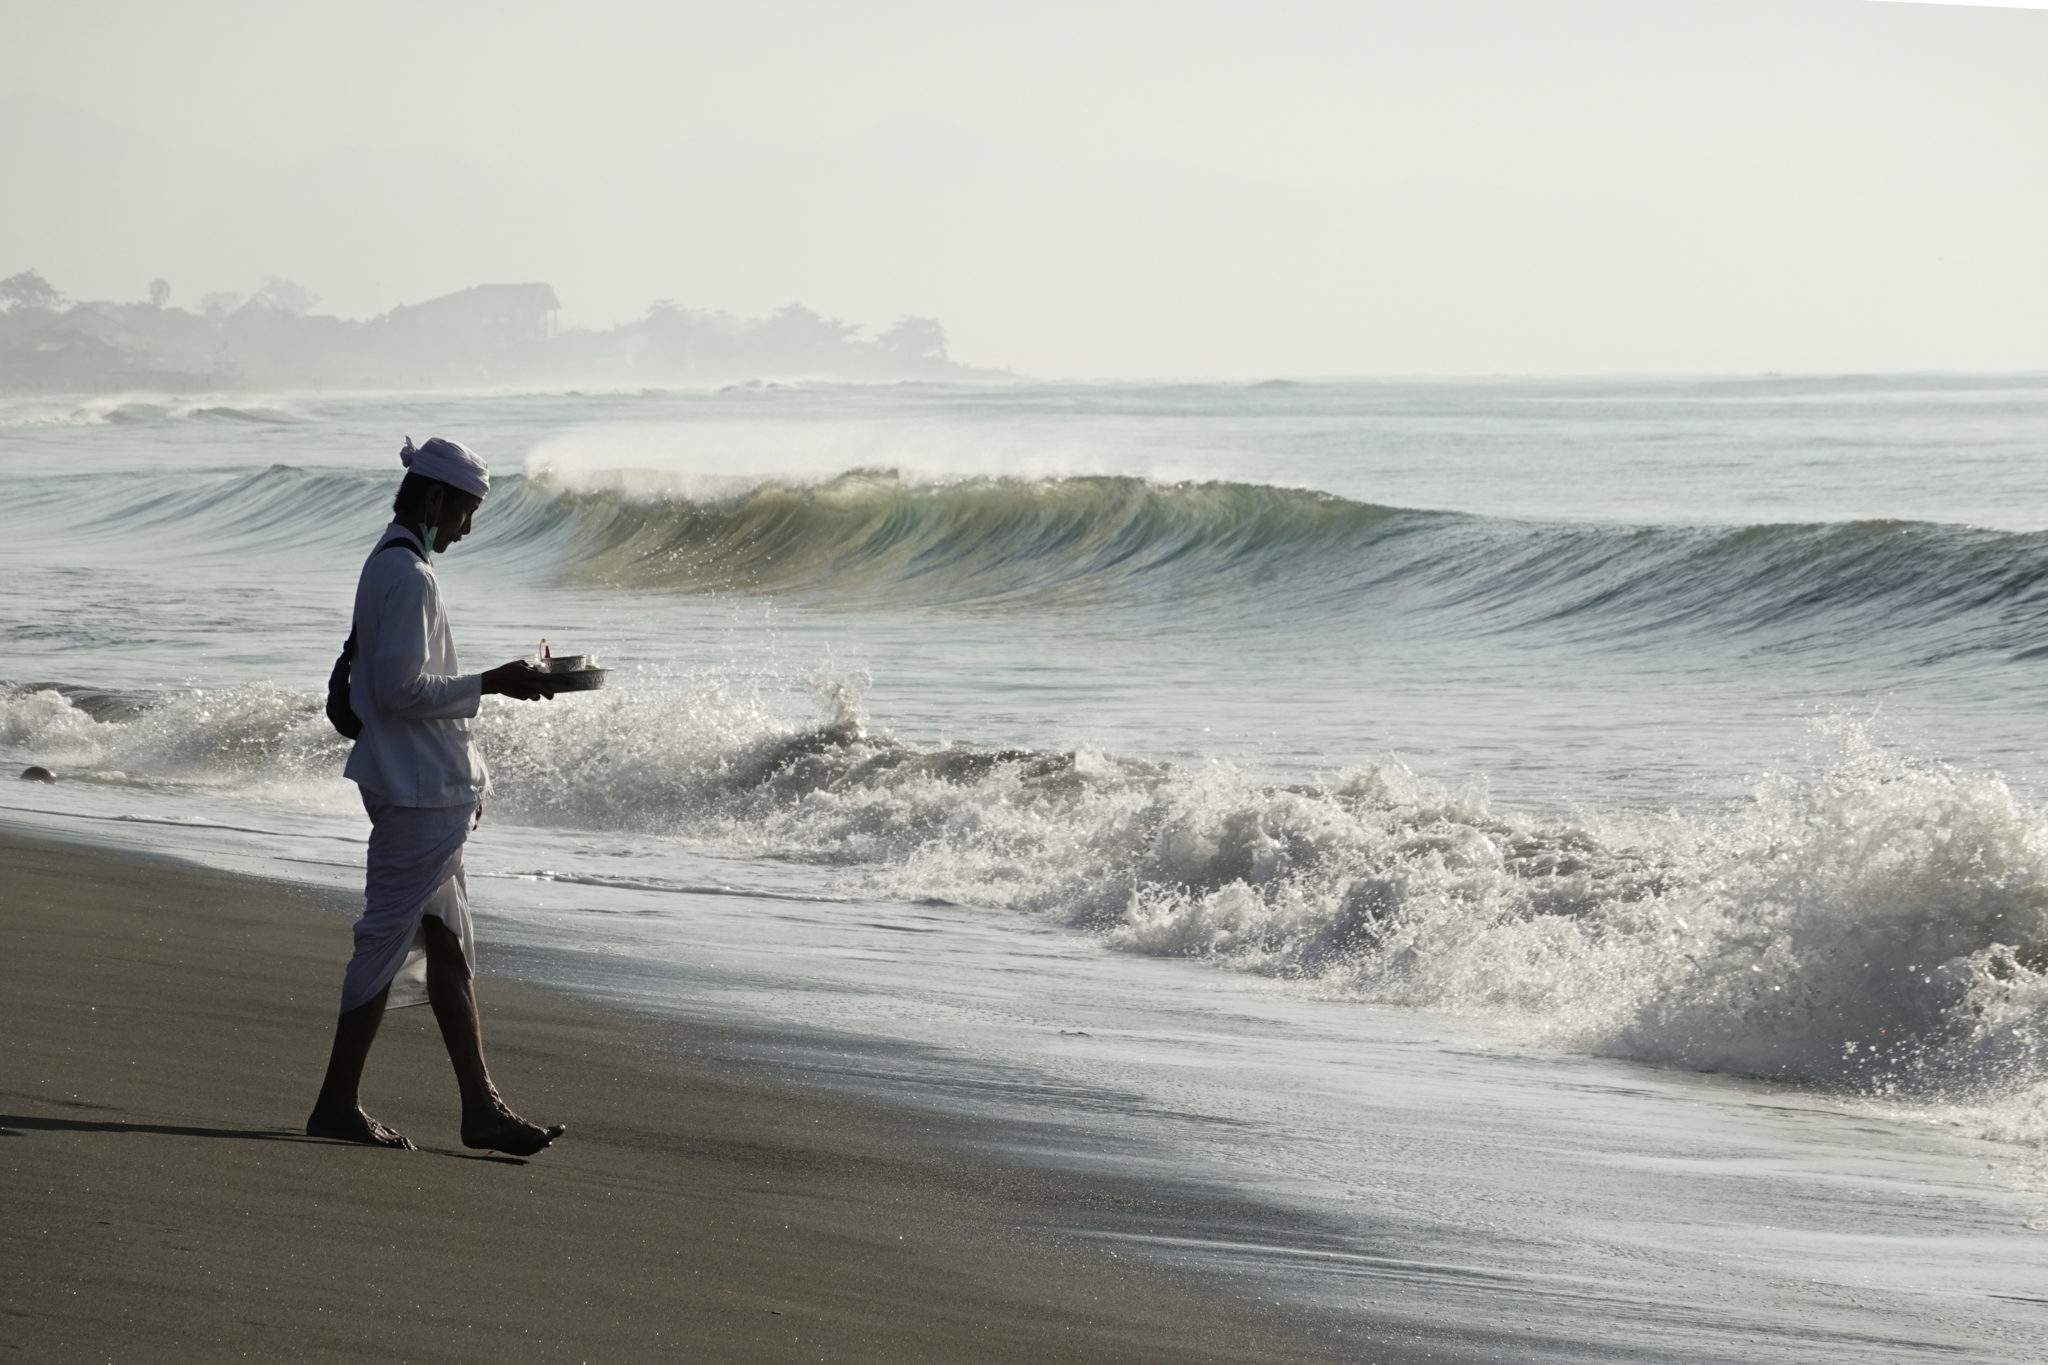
(574, 673)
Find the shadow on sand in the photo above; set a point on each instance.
(17, 1125)
(14, 1125)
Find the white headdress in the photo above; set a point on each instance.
(449, 463)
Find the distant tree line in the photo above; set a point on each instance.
(487, 334)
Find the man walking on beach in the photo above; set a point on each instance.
(423, 783)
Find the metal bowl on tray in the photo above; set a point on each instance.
(574, 673)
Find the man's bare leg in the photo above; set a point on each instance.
(338, 1113)
(488, 1123)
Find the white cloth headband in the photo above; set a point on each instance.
(449, 463)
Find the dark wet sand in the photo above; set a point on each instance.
(164, 1031)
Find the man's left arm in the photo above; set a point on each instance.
(403, 687)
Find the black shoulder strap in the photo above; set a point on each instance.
(348, 648)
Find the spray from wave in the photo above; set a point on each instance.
(1877, 924)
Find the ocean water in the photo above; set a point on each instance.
(1578, 847)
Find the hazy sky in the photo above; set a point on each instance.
(1102, 188)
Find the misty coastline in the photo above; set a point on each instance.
(485, 335)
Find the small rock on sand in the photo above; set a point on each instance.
(37, 773)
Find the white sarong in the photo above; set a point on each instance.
(414, 869)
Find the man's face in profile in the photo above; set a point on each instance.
(456, 511)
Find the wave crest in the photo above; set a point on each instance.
(1242, 555)
(872, 538)
(872, 535)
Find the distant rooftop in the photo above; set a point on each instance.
(538, 297)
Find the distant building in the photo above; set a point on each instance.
(507, 314)
(489, 331)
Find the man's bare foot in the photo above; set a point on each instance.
(501, 1130)
(356, 1126)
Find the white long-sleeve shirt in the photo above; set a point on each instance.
(406, 688)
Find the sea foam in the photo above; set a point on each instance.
(1873, 923)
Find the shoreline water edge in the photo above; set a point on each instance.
(1179, 1196)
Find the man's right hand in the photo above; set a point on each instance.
(521, 681)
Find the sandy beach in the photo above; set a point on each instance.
(166, 1026)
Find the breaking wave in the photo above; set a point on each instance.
(873, 537)
(1874, 924)
(32, 412)
(1251, 555)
